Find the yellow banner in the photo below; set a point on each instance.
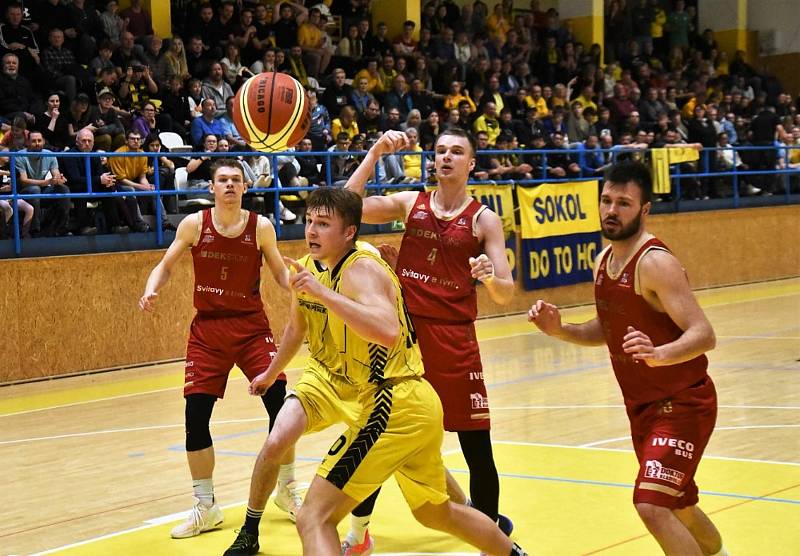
(662, 158)
(555, 209)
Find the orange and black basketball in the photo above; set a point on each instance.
(272, 112)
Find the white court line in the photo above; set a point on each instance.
(166, 519)
(630, 451)
(121, 396)
(507, 408)
(113, 431)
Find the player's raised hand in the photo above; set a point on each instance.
(481, 268)
(389, 254)
(260, 384)
(546, 317)
(302, 281)
(391, 142)
(640, 346)
(148, 302)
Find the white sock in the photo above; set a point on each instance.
(358, 528)
(722, 552)
(286, 474)
(204, 491)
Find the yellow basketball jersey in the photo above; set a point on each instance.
(365, 362)
(324, 355)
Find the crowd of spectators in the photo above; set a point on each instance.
(515, 77)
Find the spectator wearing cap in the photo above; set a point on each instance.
(137, 87)
(79, 116)
(109, 134)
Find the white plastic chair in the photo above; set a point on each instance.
(174, 142)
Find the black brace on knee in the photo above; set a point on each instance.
(198, 417)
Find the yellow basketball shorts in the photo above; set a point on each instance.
(400, 433)
(326, 398)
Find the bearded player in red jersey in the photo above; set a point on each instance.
(450, 241)
(657, 336)
(227, 245)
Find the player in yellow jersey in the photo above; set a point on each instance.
(399, 427)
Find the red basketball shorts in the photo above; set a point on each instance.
(216, 344)
(669, 437)
(452, 363)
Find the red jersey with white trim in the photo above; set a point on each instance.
(433, 265)
(227, 270)
(620, 306)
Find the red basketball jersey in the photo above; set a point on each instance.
(618, 307)
(227, 271)
(433, 265)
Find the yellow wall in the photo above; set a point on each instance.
(159, 12)
(63, 315)
(394, 13)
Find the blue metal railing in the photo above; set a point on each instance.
(276, 188)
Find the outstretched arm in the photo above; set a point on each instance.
(184, 238)
(380, 209)
(292, 339)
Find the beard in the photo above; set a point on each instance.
(623, 232)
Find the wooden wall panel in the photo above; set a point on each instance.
(63, 315)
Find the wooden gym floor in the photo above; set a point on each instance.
(95, 464)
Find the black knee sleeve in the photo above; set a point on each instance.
(198, 416)
(273, 400)
(484, 485)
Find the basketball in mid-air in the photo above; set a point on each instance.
(272, 112)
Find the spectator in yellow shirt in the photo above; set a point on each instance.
(412, 163)
(455, 96)
(309, 37)
(374, 80)
(346, 122)
(488, 122)
(539, 102)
